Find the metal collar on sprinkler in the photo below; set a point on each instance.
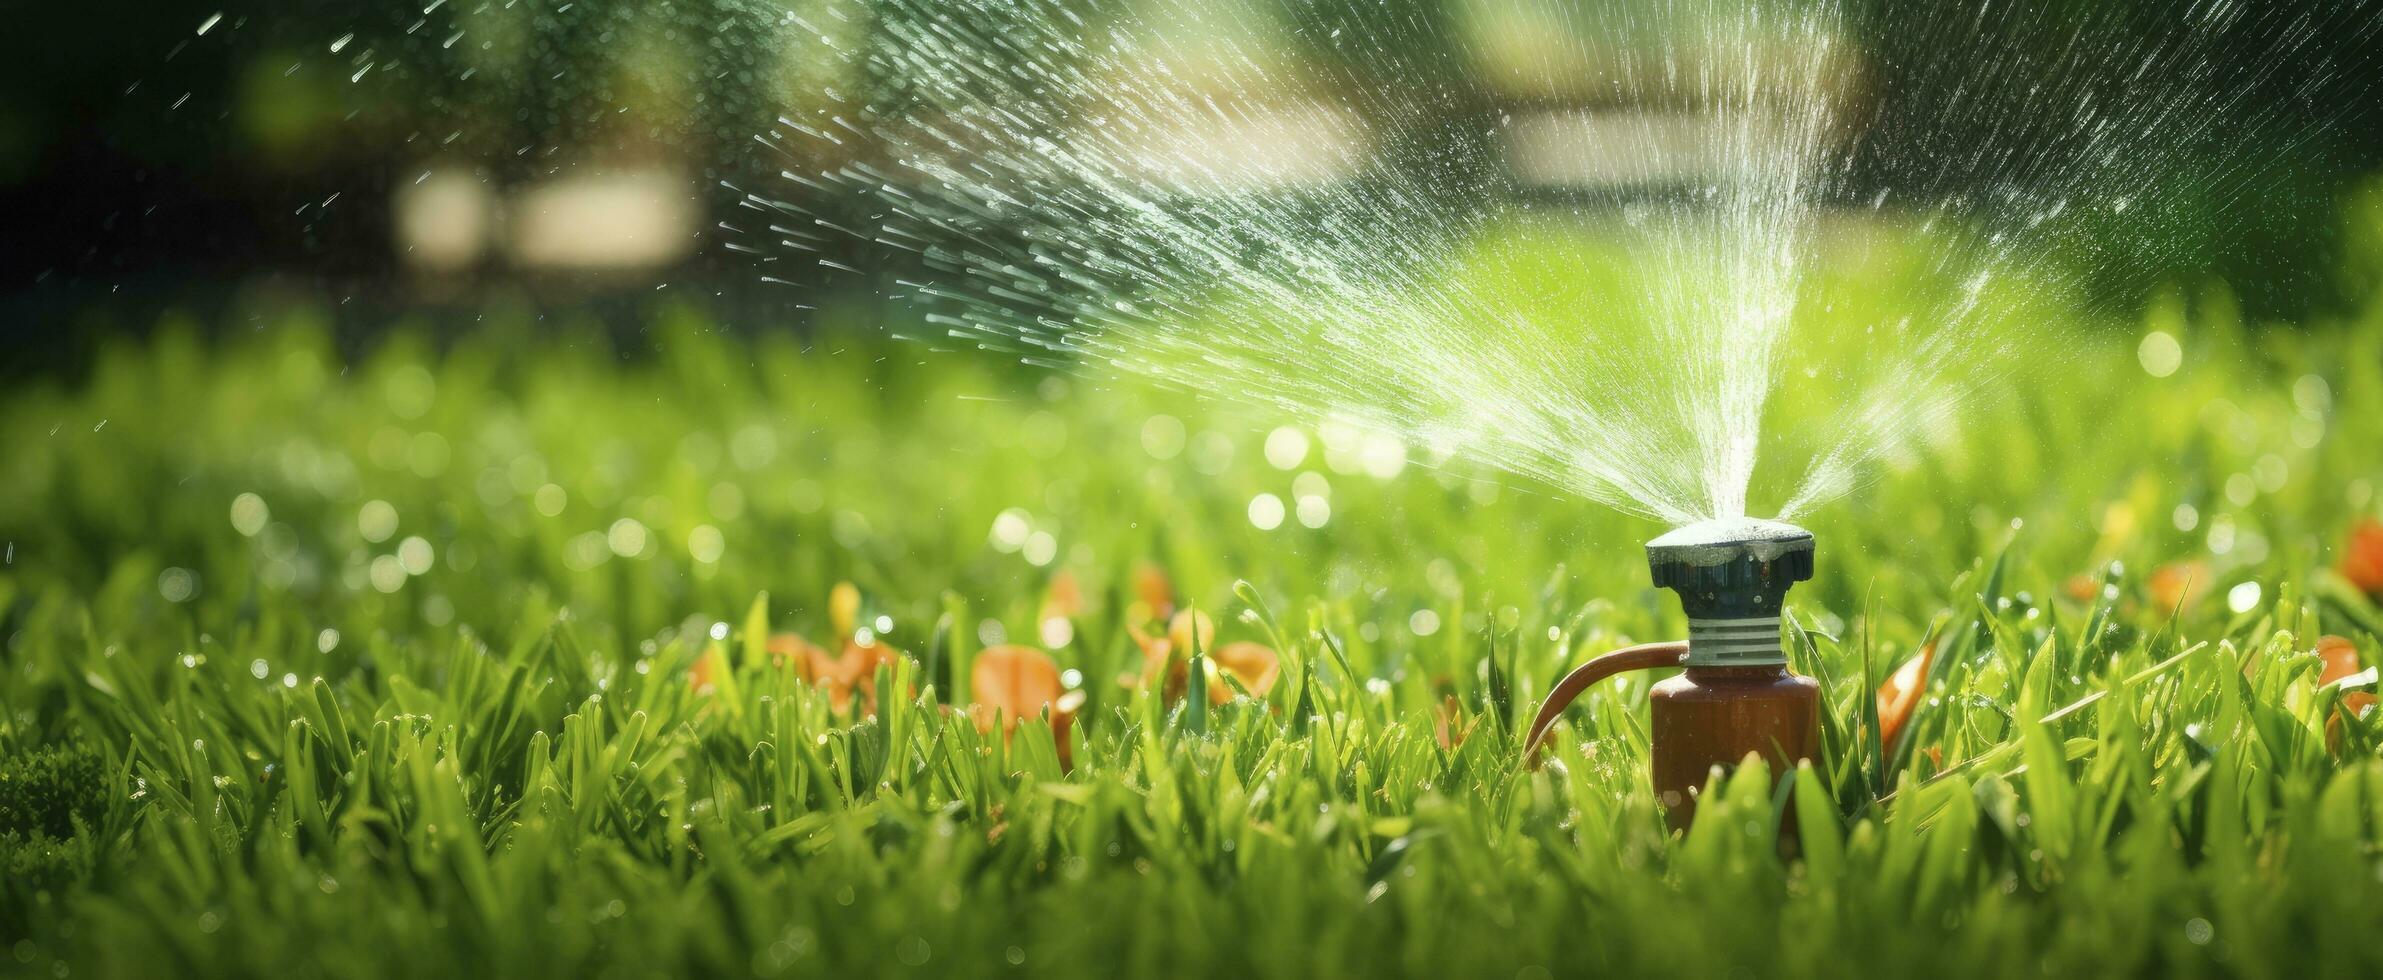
(1732, 576)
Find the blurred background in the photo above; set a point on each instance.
(427, 157)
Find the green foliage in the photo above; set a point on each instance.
(55, 802)
(53, 791)
(395, 648)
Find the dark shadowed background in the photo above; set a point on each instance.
(167, 153)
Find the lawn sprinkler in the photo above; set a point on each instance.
(1736, 696)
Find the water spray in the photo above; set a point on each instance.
(1736, 698)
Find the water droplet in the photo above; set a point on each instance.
(2160, 354)
(1266, 511)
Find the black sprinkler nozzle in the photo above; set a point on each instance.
(1732, 577)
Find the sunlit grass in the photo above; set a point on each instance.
(450, 661)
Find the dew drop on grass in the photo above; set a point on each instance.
(1311, 484)
(1314, 512)
(1057, 632)
(2312, 397)
(2160, 354)
(1384, 456)
(626, 537)
(2241, 489)
(2221, 534)
(706, 544)
(1010, 529)
(2271, 472)
(386, 574)
(416, 555)
(1040, 548)
(249, 514)
(177, 584)
(2243, 598)
(1163, 437)
(1266, 511)
(1286, 448)
(376, 520)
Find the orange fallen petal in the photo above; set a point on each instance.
(2082, 588)
(1900, 695)
(1448, 724)
(783, 648)
(1152, 589)
(1144, 640)
(830, 677)
(2362, 557)
(1187, 622)
(2342, 660)
(1158, 660)
(1166, 661)
(793, 648)
(704, 674)
(1254, 665)
(860, 663)
(1012, 682)
(2178, 585)
(841, 676)
(1063, 598)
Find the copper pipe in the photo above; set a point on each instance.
(1645, 656)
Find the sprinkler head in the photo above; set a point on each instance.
(1732, 576)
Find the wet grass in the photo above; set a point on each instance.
(382, 666)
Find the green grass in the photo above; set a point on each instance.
(243, 735)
